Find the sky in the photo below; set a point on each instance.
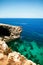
(21, 8)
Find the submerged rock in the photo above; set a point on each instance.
(9, 32)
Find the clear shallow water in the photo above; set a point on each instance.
(31, 42)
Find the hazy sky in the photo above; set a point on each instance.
(21, 8)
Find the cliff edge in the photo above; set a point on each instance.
(9, 57)
(9, 32)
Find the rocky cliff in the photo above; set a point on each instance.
(9, 32)
(7, 56)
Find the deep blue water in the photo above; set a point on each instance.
(31, 42)
(33, 25)
(32, 28)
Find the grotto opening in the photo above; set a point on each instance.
(4, 31)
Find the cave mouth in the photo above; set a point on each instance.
(4, 31)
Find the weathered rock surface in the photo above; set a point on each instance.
(14, 58)
(9, 32)
(4, 48)
(8, 57)
(3, 59)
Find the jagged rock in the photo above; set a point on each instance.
(12, 58)
(29, 62)
(7, 56)
(4, 48)
(16, 58)
(9, 32)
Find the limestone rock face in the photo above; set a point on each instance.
(3, 46)
(9, 32)
(16, 58)
(8, 57)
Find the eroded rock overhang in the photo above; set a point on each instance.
(9, 32)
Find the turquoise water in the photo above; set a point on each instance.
(30, 43)
(30, 49)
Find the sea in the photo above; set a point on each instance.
(30, 43)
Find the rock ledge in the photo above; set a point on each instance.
(9, 32)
